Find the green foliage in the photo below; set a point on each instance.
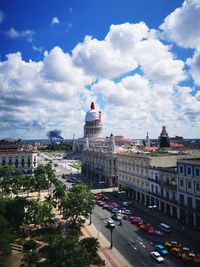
(38, 212)
(12, 210)
(78, 203)
(76, 165)
(68, 251)
(31, 258)
(30, 244)
(58, 147)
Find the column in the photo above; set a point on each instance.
(159, 205)
(171, 210)
(178, 213)
(165, 207)
(145, 199)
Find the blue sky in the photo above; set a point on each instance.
(138, 60)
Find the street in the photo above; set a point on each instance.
(135, 245)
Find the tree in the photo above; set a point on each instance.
(59, 193)
(64, 252)
(6, 179)
(38, 212)
(78, 203)
(51, 177)
(13, 210)
(30, 259)
(89, 247)
(40, 181)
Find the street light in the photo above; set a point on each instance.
(90, 222)
(111, 231)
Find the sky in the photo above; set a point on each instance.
(139, 61)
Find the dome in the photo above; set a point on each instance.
(91, 115)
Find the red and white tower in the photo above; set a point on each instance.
(93, 125)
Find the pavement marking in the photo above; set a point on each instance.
(141, 243)
(142, 262)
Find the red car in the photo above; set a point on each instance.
(135, 220)
(151, 230)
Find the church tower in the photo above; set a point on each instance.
(147, 141)
(164, 138)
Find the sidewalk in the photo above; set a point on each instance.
(112, 257)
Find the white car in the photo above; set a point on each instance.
(117, 216)
(156, 256)
(110, 223)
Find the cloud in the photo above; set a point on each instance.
(183, 24)
(194, 64)
(133, 77)
(55, 20)
(14, 34)
(38, 48)
(1, 16)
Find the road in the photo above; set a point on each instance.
(138, 253)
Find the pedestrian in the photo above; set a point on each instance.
(120, 223)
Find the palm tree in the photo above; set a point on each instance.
(59, 193)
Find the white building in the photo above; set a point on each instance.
(15, 154)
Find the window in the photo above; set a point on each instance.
(181, 169)
(189, 185)
(189, 171)
(182, 199)
(198, 187)
(181, 182)
(197, 172)
(189, 202)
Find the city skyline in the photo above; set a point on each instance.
(138, 61)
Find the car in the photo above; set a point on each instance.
(117, 216)
(110, 223)
(125, 204)
(157, 257)
(151, 230)
(102, 203)
(136, 220)
(105, 206)
(172, 244)
(126, 212)
(158, 233)
(161, 249)
(114, 210)
(115, 205)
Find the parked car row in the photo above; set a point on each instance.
(71, 179)
(184, 253)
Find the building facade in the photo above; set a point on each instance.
(150, 180)
(15, 154)
(188, 192)
(99, 163)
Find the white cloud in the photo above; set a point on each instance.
(55, 20)
(1, 16)
(182, 25)
(14, 34)
(56, 92)
(194, 64)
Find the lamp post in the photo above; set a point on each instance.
(90, 221)
(111, 239)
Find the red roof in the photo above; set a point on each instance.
(176, 145)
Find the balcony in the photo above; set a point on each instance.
(132, 185)
(170, 200)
